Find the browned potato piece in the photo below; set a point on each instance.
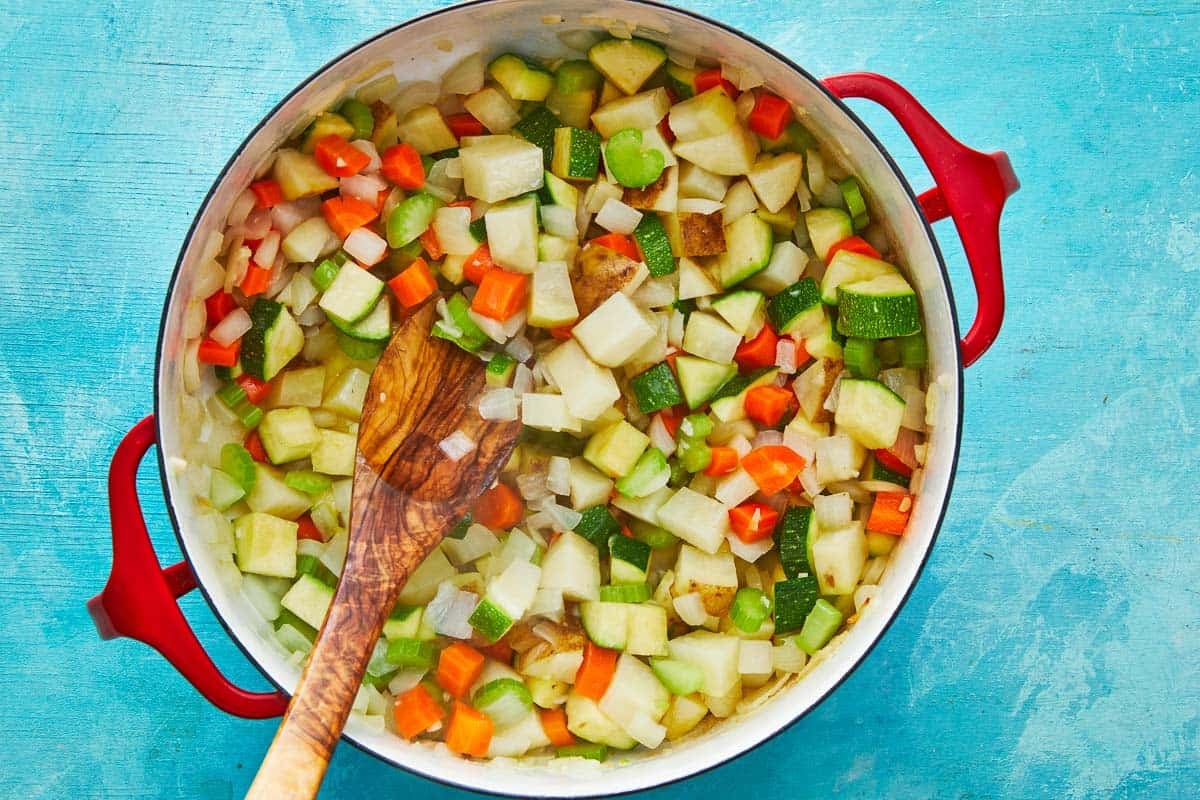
(558, 661)
(813, 387)
(695, 235)
(599, 273)
(646, 197)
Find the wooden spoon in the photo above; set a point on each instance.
(407, 493)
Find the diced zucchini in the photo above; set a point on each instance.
(881, 308)
(628, 63)
(870, 412)
(615, 450)
(656, 389)
(266, 545)
(749, 244)
(648, 475)
(347, 392)
(223, 490)
(797, 309)
(538, 126)
(794, 598)
(827, 227)
(576, 154)
(404, 622)
(630, 560)
(557, 192)
(606, 624)
(375, 327)
(785, 268)
(794, 536)
(299, 387)
(743, 310)
(847, 267)
(521, 78)
(334, 454)
(309, 599)
(273, 340)
(352, 295)
(655, 246)
(288, 434)
(856, 205)
(699, 378)
(598, 525)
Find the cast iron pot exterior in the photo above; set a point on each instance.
(139, 600)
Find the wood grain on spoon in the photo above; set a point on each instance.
(406, 495)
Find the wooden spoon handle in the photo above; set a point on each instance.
(299, 755)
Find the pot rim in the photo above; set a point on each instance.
(316, 75)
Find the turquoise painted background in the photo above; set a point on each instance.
(1052, 647)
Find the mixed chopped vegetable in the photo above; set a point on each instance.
(683, 298)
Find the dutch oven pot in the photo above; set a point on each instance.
(139, 600)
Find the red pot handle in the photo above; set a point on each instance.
(140, 598)
(971, 187)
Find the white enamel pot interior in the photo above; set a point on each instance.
(418, 50)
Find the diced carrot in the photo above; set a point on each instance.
(773, 467)
(562, 332)
(478, 264)
(218, 305)
(852, 244)
(724, 461)
(554, 725)
(254, 446)
(499, 508)
(219, 355)
(596, 671)
(753, 522)
(891, 462)
(402, 166)
(459, 666)
(465, 125)
(501, 294)
(256, 280)
(758, 352)
(415, 284)
(469, 732)
(498, 651)
(308, 529)
(768, 405)
(256, 390)
(712, 77)
(433, 246)
(416, 712)
(890, 512)
(338, 157)
(345, 214)
(622, 244)
(268, 193)
(771, 115)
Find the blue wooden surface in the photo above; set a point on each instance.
(1052, 647)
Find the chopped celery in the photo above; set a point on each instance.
(750, 609)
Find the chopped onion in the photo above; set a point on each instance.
(547, 603)
(808, 479)
(365, 246)
(257, 224)
(212, 246)
(522, 378)
(477, 542)
(313, 315)
(699, 205)
(914, 408)
(560, 221)
(268, 248)
(916, 482)
(454, 168)
(735, 488)
(232, 328)
(363, 187)
(441, 192)
(730, 73)
(513, 324)
(873, 572)
(194, 317)
(748, 78)
(406, 679)
(492, 327)
(565, 519)
(287, 215)
(367, 148)
(904, 448)
(660, 437)
(787, 657)
(190, 369)
(744, 104)
(580, 39)
(642, 728)
(465, 77)
(208, 277)
(690, 608)
(617, 217)
(767, 437)
(863, 595)
(532, 486)
(499, 404)
(682, 58)
(520, 348)
(882, 486)
(242, 205)
(558, 475)
(785, 356)
(456, 445)
(448, 612)
(833, 510)
(749, 552)
(741, 444)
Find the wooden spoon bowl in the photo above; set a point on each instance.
(407, 494)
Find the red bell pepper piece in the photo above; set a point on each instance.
(759, 352)
(465, 125)
(854, 244)
(752, 522)
(268, 193)
(254, 446)
(219, 355)
(256, 390)
(218, 305)
(771, 116)
(308, 529)
(712, 77)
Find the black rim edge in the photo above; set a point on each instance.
(224, 172)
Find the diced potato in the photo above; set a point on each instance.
(707, 114)
(641, 111)
(299, 175)
(589, 486)
(425, 130)
(775, 179)
(588, 388)
(500, 168)
(334, 454)
(713, 576)
(266, 545)
(615, 331)
(347, 393)
(728, 153)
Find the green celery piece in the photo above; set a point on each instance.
(238, 464)
(307, 481)
(631, 165)
(359, 115)
(694, 455)
(411, 218)
(750, 609)
(323, 275)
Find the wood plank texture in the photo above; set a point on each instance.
(1052, 647)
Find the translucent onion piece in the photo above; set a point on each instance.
(833, 510)
(785, 356)
(558, 475)
(363, 187)
(194, 317)
(617, 217)
(787, 657)
(521, 349)
(690, 608)
(768, 437)
(749, 552)
(456, 445)
(522, 378)
(448, 612)
(863, 595)
(559, 221)
(232, 328)
(365, 246)
(498, 404)
(660, 437)
(699, 205)
(465, 77)
(243, 204)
